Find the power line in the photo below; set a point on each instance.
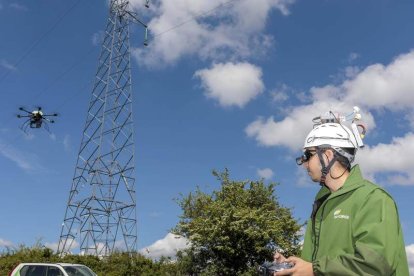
(37, 41)
(64, 73)
(195, 17)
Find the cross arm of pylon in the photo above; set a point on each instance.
(133, 17)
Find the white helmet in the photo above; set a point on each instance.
(332, 134)
(335, 136)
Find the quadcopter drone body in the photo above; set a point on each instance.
(35, 119)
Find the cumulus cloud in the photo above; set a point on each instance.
(290, 131)
(381, 86)
(377, 159)
(167, 247)
(231, 84)
(410, 256)
(214, 29)
(265, 173)
(375, 87)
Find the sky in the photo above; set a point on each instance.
(222, 84)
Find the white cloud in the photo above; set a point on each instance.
(351, 71)
(232, 84)
(214, 29)
(281, 93)
(265, 173)
(352, 57)
(375, 87)
(5, 64)
(167, 247)
(279, 96)
(302, 178)
(292, 130)
(377, 159)
(18, 7)
(410, 256)
(66, 143)
(97, 38)
(25, 161)
(52, 245)
(5, 243)
(71, 245)
(380, 86)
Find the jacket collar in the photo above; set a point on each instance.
(351, 183)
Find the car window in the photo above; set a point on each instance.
(33, 270)
(54, 271)
(78, 271)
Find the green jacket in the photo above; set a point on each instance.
(355, 231)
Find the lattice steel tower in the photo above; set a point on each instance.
(101, 210)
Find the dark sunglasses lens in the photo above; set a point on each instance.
(300, 160)
(309, 153)
(305, 157)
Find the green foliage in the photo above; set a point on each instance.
(235, 228)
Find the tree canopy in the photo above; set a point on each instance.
(235, 228)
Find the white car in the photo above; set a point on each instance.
(45, 269)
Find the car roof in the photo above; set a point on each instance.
(38, 264)
(69, 264)
(57, 264)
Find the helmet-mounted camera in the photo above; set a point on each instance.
(329, 130)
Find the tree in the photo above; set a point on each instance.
(234, 229)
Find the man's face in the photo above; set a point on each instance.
(312, 164)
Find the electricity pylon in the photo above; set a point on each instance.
(101, 210)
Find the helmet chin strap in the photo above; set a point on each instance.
(325, 168)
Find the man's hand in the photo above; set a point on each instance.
(279, 258)
(300, 268)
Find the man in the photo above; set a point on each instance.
(354, 227)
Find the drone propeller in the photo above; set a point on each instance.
(51, 115)
(24, 109)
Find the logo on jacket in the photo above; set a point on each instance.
(338, 215)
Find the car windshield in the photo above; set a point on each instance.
(78, 271)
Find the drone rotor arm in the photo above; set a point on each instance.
(25, 110)
(23, 116)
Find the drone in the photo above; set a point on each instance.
(35, 119)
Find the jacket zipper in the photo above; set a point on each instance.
(317, 236)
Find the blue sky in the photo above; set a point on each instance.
(223, 84)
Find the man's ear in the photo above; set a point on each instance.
(329, 154)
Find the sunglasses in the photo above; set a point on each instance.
(307, 154)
